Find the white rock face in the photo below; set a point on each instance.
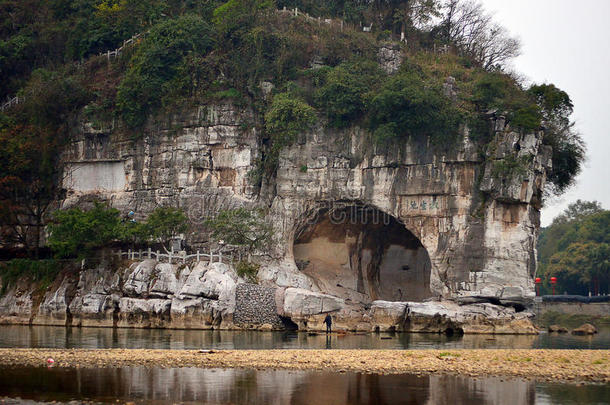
(139, 278)
(16, 305)
(477, 246)
(146, 313)
(299, 302)
(53, 309)
(96, 299)
(196, 313)
(474, 318)
(168, 280)
(385, 314)
(478, 227)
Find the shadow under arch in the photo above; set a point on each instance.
(362, 254)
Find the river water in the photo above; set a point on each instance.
(235, 386)
(106, 338)
(28, 385)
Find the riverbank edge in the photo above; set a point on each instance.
(541, 364)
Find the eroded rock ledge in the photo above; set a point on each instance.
(149, 294)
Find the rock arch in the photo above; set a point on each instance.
(362, 254)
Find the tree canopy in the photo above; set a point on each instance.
(575, 248)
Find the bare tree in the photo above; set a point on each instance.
(475, 34)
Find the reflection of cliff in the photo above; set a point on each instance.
(493, 391)
(217, 386)
(135, 338)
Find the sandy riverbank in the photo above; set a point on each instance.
(566, 365)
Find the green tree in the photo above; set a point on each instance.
(286, 118)
(408, 106)
(242, 227)
(155, 69)
(239, 15)
(78, 233)
(343, 96)
(568, 146)
(574, 248)
(165, 223)
(29, 183)
(582, 268)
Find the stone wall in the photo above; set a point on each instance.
(573, 308)
(255, 307)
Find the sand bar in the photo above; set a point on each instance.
(563, 365)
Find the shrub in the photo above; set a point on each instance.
(77, 233)
(155, 67)
(43, 271)
(343, 95)
(165, 223)
(247, 270)
(286, 117)
(242, 227)
(407, 106)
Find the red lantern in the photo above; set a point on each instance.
(538, 281)
(553, 282)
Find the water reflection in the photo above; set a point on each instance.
(220, 386)
(61, 337)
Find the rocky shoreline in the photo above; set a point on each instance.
(550, 365)
(202, 295)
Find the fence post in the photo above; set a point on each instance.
(128, 254)
(170, 257)
(197, 255)
(158, 257)
(149, 256)
(211, 254)
(220, 257)
(140, 254)
(184, 257)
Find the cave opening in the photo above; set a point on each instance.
(362, 254)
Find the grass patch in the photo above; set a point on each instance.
(38, 271)
(247, 270)
(448, 354)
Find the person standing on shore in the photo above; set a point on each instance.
(328, 321)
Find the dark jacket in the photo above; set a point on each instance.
(328, 320)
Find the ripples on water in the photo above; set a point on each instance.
(218, 386)
(104, 338)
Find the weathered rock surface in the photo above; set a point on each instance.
(17, 304)
(557, 329)
(475, 318)
(144, 313)
(53, 309)
(211, 296)
(585, 329)
(299, 302)
(468, 224)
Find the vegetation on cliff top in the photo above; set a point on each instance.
(194, 52)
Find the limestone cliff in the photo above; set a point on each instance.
(467, 217)
(360, 228)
